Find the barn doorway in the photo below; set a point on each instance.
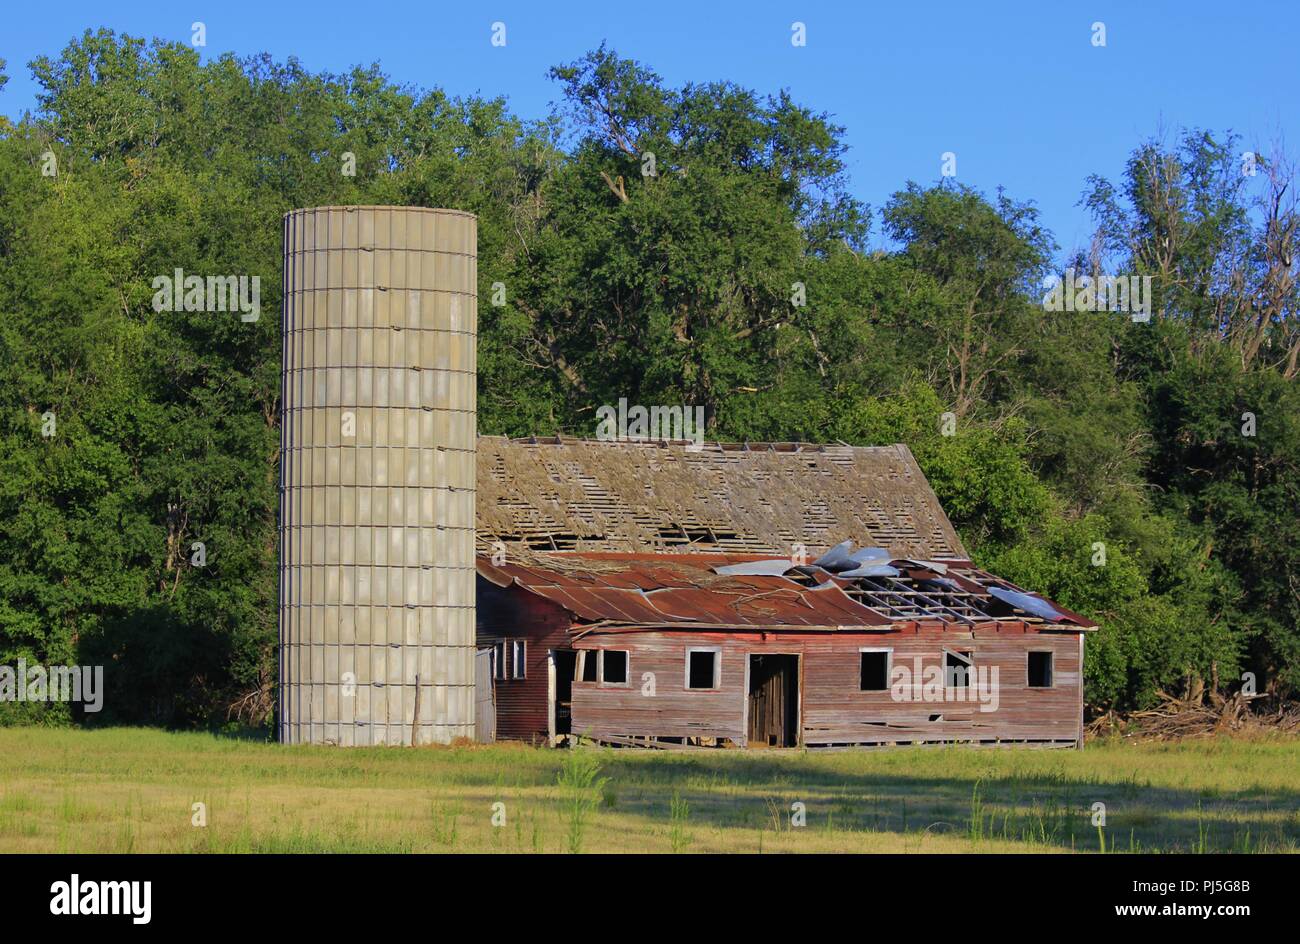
(563, 663)
(773, 700)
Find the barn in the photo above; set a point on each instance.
(437, 585)
(751, 595)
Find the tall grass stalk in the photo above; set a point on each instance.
(583, 789)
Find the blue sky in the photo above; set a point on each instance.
(1016, 90)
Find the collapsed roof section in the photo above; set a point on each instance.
(563, 494)
(629, 592)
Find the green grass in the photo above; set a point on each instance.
(129, 790)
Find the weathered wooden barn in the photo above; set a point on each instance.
(773, 595)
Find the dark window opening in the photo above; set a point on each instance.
(1040, 670)
(957, 667)
(701, 669)
(615, 661)
(587, 664)
(874, 676)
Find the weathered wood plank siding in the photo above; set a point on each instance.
(834, 711)
(523, 709)
(673, 711)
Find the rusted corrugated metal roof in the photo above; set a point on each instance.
(663, 590)
(663, 497)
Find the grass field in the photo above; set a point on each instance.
(128, 790)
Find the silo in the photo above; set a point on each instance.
(377, 476)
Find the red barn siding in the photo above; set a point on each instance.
(837, 712)
(523, 709)
(833, 709)
(673, 711)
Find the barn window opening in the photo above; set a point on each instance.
(1040, 670)
(614, 666)
(587, 666)
(874, 671)
(957, 668)
(519, 659)
(702, 668)
(499, 660)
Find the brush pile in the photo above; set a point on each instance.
(1205, 715)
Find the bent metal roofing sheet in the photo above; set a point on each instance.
(683, 590)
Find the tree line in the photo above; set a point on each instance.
(695, 244)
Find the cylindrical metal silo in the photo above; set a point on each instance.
(377, 476)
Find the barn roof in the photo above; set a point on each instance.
(663, 591)
(657, 497)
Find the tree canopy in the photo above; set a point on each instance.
(696, 245)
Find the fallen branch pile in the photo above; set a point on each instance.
(1206, 716)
